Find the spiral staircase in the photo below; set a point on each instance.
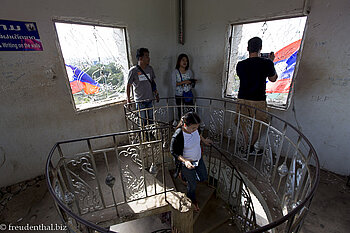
(98, 182)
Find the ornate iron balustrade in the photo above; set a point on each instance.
(288, 162)
(231, 187)
(94, 177)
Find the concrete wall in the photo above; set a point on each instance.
(36, 110)
(322, 86)
(206, 27)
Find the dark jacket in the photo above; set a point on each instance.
(177, 148)
(177, 143)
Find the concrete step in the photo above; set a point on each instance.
(203, 194)
(228, 226)
(144, 206)
(147, 224)
(213, 215)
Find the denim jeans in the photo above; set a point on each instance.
(147, 115)
(198, 173)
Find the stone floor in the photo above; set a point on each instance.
(30, 203)
(330, 208)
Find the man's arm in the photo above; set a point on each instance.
(273, 78)
(129, 84)
(156, 91)
(128, 87)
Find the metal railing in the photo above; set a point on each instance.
(231, 187)
(282, 157)
(94, 177)
(91, 179)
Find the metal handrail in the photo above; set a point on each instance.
(141, 119)
(49, 167)
(291, 218)
(312, 154)
(230, 163)
(279, 221)
(60, 202)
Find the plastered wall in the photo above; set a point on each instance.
(320, 104)
(36, 109)
(206, 29)
(321, 98)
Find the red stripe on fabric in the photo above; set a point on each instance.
(280, 86)
(287, 51)
(90, 89)
(76, 86)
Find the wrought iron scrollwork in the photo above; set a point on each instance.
(134, 138)
(215, 125)
(131, 173)
(133, 118)
(88, 197)
(85, 165)
(77, 182)
(134, 153)
(160, 115)
(134, 183)
(83, 178)
(275, 141)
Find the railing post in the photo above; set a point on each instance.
(69, 179)
(163, 167)
(96, 173)
(238, 126)
(126, 116)
(223, 125)
(118, 161)
(181, 212)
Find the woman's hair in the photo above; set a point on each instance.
(182, 55)
(189, 118)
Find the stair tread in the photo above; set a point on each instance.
(203, 195)
(227, 227)
(213, 214)
(139, 208)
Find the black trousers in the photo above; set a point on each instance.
(180, 102)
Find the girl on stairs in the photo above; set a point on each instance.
(185, 147)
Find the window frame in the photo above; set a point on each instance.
(228, 48)
(90, 22)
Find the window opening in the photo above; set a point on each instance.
(283, 37)
(96, 62)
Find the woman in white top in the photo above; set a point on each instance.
(183, 82)
(185, 147)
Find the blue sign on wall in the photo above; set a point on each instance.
(19, 36)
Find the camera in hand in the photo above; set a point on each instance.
(193, 82)
(264, 55)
